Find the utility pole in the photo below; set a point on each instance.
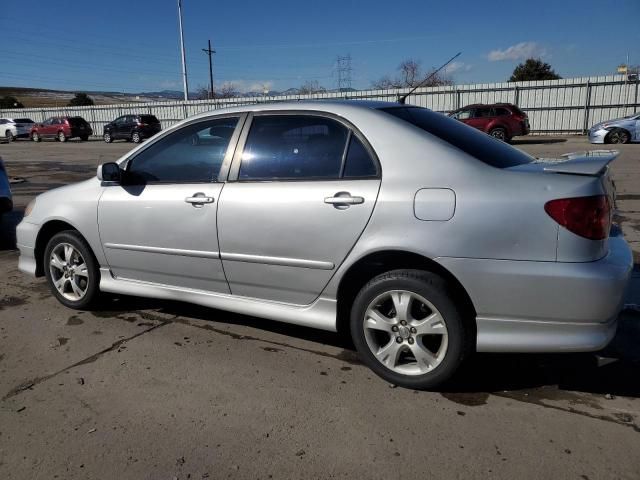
(210, 53)
(184, 62)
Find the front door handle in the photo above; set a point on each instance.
(342, 200)
(198, 199)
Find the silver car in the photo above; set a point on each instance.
(423, 238)
(620, 130)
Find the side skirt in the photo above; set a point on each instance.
(320, 314)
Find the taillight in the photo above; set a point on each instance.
(589, 217)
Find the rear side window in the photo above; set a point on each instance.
(77, 121)
(358, 162)
(501, 111)
(23, 120)
(471, 141)
(148, 119)
(193, 154)
(293, 147)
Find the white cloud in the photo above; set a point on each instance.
(520, 51)
(457, 67)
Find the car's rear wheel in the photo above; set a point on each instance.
(107, 137)
(35, 137)
(71, 270)
(618, 135)
(499, 133)
(9, 136)
(62, 137)
(408, 330)
(135, 137)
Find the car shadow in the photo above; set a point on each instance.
(536, 141)
(614, 371)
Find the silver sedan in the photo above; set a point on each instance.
(421, 237)
(620, 130)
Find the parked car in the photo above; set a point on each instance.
(424, 238)
(11, 128)
(132, 127)
(62, 129)
(619, 130)
(6, 201)
(501, 120)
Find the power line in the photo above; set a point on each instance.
(210, 53)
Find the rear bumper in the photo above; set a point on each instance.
(546, 306)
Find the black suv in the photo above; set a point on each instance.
(131, 127)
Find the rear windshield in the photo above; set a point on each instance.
(471, 141)
(23, 120)
(148, 119)
(77, 121)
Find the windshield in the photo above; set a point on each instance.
(471, 141)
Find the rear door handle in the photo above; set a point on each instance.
(198, 199)
(342, 200)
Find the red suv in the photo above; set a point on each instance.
(62, 129)
(500, 120)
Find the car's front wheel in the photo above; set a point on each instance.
(35, 137)
(9, 136)
(618, 135)
(499, 133)
(407, 329)
(136, 137)
(62, 137)
(107, 137)
(71, 270)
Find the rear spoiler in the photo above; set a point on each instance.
(592, 163)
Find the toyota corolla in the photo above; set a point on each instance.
(423, 238)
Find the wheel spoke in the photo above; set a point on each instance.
(376, 321)
(68, 252)
(59, 284)
(76, 289)
(56, 262)
(402, 304)
(81, 270)
(432, 325)
(424, 358)
(388, 355)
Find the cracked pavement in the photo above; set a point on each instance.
(150, 389)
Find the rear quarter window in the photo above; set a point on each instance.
(148, 119)
(479, 145)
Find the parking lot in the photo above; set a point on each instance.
(154, 389)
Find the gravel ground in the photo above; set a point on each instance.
(151, 389)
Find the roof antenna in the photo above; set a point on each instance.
(402, 98)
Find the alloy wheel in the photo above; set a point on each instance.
(69, 273)
(405, 332)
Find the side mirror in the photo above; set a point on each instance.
(109, 172)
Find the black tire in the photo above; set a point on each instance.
(9, 136)
(92, 292)
(84, 138)
(618, 135)
(61, 137)
(499, 133)
(136, 137)
(35, 136)
(435, 290)
(107, 137)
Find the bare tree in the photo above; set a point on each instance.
(409, 72)
(311, 86)
(201, 93)
(227, 90)
(410, 75)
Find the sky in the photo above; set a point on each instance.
(133, 46)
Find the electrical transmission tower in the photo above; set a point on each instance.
(343, 68)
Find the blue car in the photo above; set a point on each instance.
(620, 130)
(6, 202)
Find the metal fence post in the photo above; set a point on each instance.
(587, 101)
(516, 96)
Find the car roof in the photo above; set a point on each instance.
(330, 106)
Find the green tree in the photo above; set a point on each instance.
(533, 69)
(10, 102)
(80, 100)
